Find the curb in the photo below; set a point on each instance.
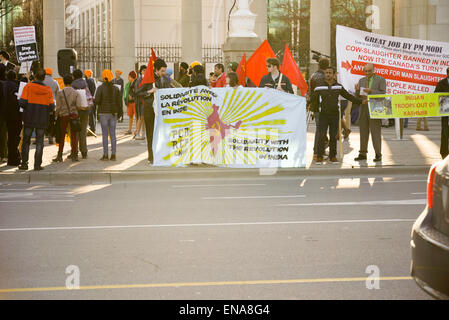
(99, 177)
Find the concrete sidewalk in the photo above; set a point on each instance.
(415, 154)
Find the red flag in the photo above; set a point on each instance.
(256, 67)
(241, 71)
(149, 74)
(153, 55)
(291, 70)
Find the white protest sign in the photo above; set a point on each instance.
(26, 45)
(409, 65)
(21, 87)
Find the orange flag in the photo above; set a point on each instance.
(256, 67)
(241, 71)
(291, 70)
(149, 74)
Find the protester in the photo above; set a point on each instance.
(275, 79)
(4, 59)
(232, 67)
(68, 103)
(120, 83)
(325, 101)
(212, 78)
(371, 84)
(13, 117)
(109, 102)
(418, 124)
(93, 109)
(53, 84)
(3, 126)
(317, 78)
(147, 92)
(198, 77)
(37, 102)
(129, 98)
(139, 134)
(173, 82)
(184, 78)
(83, 112)
(220, 77)
(232, 80)
(443, 86)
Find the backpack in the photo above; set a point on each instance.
(90, 99)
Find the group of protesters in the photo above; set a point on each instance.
(44, 109)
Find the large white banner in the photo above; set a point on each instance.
(409, 65)
(236, 128)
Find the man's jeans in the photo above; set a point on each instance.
(27, 132)
(84, 119)
(93, 118)
(108, 125)
(317, 132)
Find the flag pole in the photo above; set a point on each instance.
(339, 133)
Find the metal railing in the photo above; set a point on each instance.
(173, 52)
(95, 58)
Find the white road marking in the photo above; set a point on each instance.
(31, 201)
(219, 185)
(418, 193)
(393, 181)
(230, 224)
(360, 203)
(35, 190)
(11, 195)
(253, 197)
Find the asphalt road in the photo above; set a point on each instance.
(262, 238)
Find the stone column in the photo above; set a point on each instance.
(422, 19)
(320, 29)
(242, 36)
(123, 36)
(191, 31)
(385, 16)
(54, 32)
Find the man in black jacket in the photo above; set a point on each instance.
(147, 93)
(13, 118)
(443, 86)
(273, 80)
(3, 127)
(325, 101)
(4, 58)
(317, 78)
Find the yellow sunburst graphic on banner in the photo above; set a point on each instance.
(211, 129)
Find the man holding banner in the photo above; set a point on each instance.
(275, 79)
(369, 85)
(443, 86)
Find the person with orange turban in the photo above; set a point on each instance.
(92, 110)
(53, 84)
(110, 107)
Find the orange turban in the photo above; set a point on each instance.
(49, 71)
(107, 74)
(119, 72)
(88, 73)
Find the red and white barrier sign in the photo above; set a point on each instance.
(409, 65)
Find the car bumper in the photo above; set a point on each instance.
(430, 257)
